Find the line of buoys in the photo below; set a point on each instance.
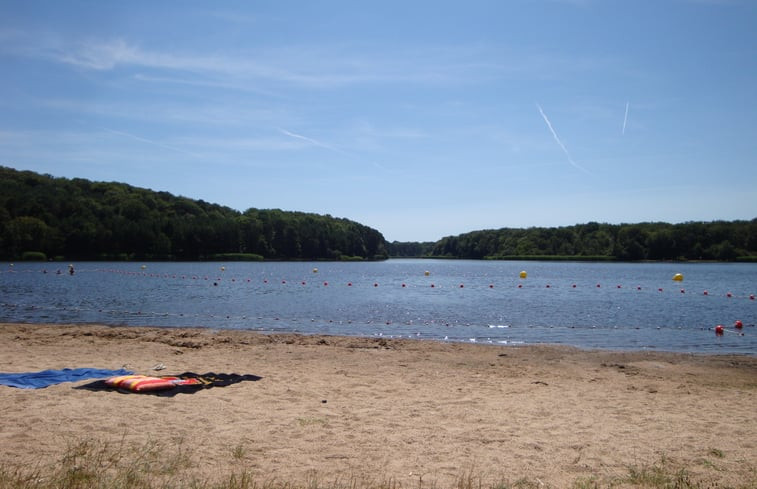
(218, 281)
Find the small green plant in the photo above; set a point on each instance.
(716, 452)
(239, 452)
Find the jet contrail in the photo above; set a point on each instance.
(625, 119)
(311, 141)
(554, 135)
(149, 141)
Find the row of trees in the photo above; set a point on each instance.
(80, 219)
(719, 240)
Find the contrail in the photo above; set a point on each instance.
(625, 119)
(554, 135)
(148, 141)
(312, 141)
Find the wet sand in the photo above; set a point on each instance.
(344, 407)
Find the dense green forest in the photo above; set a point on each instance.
(46, 217)
(719, 240)
(43, 217)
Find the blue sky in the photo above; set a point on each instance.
(421, 119)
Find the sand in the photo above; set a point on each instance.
(400, 410)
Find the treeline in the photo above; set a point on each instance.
(718, 240)
(44, 217)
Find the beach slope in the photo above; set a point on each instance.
(388, 410)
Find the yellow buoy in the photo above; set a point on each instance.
(142, 267)
(315, 270)
(523, 274)
(427, 273)
(223, 269)
(678, 277)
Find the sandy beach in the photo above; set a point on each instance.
(400, 410)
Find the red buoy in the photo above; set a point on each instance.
(683, 291)
(706, 293)
(738, 324)
(719, 329)
(461, 286)
(729, 295)
(491, 286)
(325, 284)
(751, 297)
(349, 284)
(574, 286)
(520, 286)
(403, 286)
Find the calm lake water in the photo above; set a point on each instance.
(589, 305)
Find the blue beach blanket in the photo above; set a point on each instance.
(45, 378)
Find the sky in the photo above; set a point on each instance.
(421, 119)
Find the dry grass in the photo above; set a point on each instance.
(90, 463)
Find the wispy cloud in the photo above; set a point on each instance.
(557, 139)
(314, 66)
(625, 119)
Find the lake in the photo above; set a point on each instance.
(625, 306)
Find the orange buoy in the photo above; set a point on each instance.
(719, 329)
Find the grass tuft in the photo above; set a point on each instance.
(93, 464)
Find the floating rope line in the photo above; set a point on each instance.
(218, 279)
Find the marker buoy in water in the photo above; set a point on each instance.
(523, 274)
(427, 273)
(719, 329)
(315, 270)
(738, 324)
(678, 277)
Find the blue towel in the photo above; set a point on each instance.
(38, 380)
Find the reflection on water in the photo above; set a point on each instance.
(590, 305)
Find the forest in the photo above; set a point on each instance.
(43, 217)
(654, 241)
